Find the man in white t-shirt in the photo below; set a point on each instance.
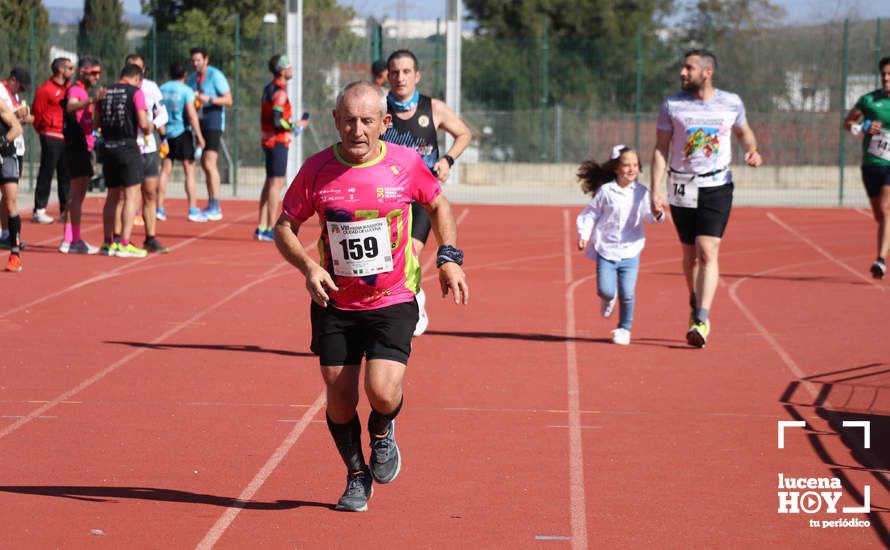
(151, 160)
(19, 80)
(694, 130)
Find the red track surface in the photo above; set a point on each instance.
(142, 398)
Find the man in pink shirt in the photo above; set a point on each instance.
(79, 140)
(363, 288)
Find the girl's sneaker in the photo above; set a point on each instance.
(161, 215)
(621, 336)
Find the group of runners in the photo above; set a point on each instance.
(135, 127)
(377, 193)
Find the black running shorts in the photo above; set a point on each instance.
(182, 147)
(420, 222)
(10, 170)
(709, 218)
(151, 164)
(80, 161)
(875, 177)
(343, 337)
(276, 160)
(122, 164)
(212, 139)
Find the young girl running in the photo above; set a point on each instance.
(610, 231)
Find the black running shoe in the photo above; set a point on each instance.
(154, 246)
(386, 461)
(878, 269)
(358, 492)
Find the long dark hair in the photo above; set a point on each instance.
(593, 174)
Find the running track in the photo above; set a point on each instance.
(172, 402)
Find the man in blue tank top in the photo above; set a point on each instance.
(416, 120)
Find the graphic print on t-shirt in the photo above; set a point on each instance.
(702, 140)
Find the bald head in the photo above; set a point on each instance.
(360, 89)
(361, 118)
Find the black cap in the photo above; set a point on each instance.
(378, 67)
(22, 76)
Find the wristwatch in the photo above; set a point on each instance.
(449, 159)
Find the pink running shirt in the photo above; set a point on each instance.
(84, 116)
(379, 189)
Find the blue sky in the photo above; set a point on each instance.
(802, 11)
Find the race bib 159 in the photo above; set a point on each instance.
(360, 248)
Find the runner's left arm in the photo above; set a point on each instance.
(451, 275)
(749, 143)
(445, 119)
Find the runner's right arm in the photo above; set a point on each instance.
(318, 280)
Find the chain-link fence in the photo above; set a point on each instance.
(539, 106)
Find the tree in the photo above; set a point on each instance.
(327, 40)
(590, 50)
(572, 19)
(742, 35)
(15, 30)
(102, 32)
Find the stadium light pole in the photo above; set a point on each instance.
(453, 11)
(294, 39)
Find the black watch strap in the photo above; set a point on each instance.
(449, 159)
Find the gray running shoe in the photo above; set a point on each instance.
(358, 492)
(386, 461)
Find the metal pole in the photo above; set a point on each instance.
(237, 105)
(375, 31)
(545, 51)
(29, 141)
(436, 90)
(842, 147)
(557, 135)
(877, 50)
(154, 49)
(452, 68)
(294, 40)
(709, 36)
(639, 85)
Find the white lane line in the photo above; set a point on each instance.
(117, 271)
(578, 499)
(226, 519)
(567, 250)
(129, 357)
(822, 251)
(793, 366)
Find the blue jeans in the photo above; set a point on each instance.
(623, 275)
